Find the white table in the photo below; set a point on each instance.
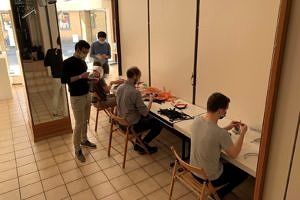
(246, 160)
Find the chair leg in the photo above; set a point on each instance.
(125, 149)
(173, 180)
(141, 143)
(96, 122)
(202, 193)
(110, 137)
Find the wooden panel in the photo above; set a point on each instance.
(52, 128)
(172, 31)
(235, 51)
(134, 35)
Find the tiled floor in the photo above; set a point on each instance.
(48, 169)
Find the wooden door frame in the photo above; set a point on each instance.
(271, 98)
(116, 32)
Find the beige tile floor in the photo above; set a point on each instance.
(48, 169)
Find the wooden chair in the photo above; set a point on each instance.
(129, 134)
(182, 171)
(99, 108)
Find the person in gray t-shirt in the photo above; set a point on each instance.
(208, 140)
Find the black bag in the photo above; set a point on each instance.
(54, 59)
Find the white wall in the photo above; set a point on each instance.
(235, 50)
(5, 5)
(172, 25)
(286, 115)
(294, 182)
(79, 5)
(134, 35)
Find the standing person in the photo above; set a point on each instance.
(130, 106)
(208, 140)
(54, 59)
(101, 51)
(76, 76)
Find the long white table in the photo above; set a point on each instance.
(246, 160)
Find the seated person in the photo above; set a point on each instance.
(130, 106)
(208, 140)
(100, 88)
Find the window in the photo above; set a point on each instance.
(64, 20)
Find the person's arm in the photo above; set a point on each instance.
(140, 105)
(117, 82)
(106, 87)
(235, 149)
(65, 77)
(150, 102)
(81, 76)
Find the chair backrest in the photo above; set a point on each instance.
(189, 167)
(185, 175)
(120, 120)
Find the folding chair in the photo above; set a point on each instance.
(126, 131)
(99, 106)
(182, 171)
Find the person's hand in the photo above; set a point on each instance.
(232, 124)
(243, 128)
(104, 56)
(99, 56)
(118, 82)
(151, 97)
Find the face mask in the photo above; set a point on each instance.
(101, 42)
(222, 116)
(82, 56)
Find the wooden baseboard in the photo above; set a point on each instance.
(53, 128)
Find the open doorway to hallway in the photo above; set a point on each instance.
(83, 20)
(9, 48)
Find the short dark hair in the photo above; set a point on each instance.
(217, 101)
(82, 44)
(101, 34)
(133, 71)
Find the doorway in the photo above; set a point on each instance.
(9, 46)
(82, 22)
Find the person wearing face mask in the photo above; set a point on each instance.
(101, 51)
(74, 73)
(208, 140)
(130, 106)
